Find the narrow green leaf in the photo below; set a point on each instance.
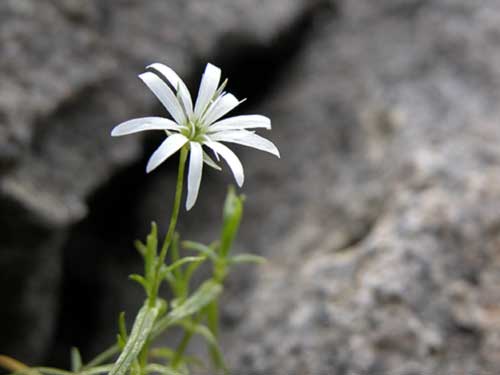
(165, 353)
(76, 360)
(55, 371)
(122, 326)
(140, 247)
(205, 294)
(175, 254)
(44, 370)
(141, 330)
(163, 306)
(151, 251)
(102, 357)
(233, 210)
(121, 342)
(176, 302)
(104, 369)
(247, 258)
(135, 368)
(141, 280)
(168, 354)
(182, 261)
(160, 369)
(212, 315)
(201, 248)
(211, 340)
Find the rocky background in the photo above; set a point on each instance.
(381, 222)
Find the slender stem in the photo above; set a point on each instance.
(212, 314)
(111, 351)
(179, 353)
(177, 204)
(172, 225)
(183, 345)
(212, 311)
(56, 371)
(107, 354)
(143, 358)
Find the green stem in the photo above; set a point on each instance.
(56, 371)
(212, 311)
(143, 358)
(212, 314)
(172, 225)
(113, 350)
(181, 349)
(103, 357)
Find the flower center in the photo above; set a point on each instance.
(194, 131)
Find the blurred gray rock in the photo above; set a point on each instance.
(389, 129)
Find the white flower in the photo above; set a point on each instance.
(197, 125)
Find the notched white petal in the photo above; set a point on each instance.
(165, 95)
(246, 138)
(177, 83)
(169, 147)
(241, 122)
(208, 87)
(210, 162)
(231, 159)
(224, 105)
(142, 124)
(194, 174)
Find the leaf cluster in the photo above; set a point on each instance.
(193, 310)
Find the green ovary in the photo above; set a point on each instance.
(194, 131)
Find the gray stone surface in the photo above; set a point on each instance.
(381, 221)
(389, 129)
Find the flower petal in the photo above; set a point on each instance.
(177, 83)
(241, 122)
(166, 149)
(246, 138)
(222, 106)
(194, 174)
(210, 162)
(231, 159)
(208, 87)
(164, 95)
(144, 123)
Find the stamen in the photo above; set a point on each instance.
(220, 89)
